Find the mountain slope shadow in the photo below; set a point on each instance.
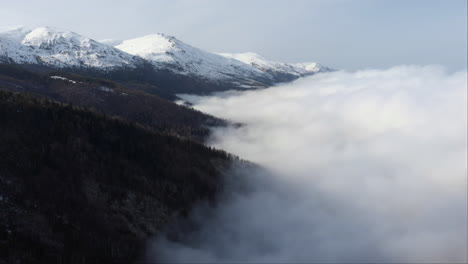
(79, 187)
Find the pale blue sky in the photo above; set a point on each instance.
(343, 34)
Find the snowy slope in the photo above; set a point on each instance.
(277, 68)
(59, 48)
(110, 42)
(313, 67)
(170, 53)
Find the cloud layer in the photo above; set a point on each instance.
(369, 166)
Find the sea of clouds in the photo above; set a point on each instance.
(366, 166)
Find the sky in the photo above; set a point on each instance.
(342, 34)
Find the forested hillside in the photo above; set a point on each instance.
(136, 101)
(77, 186)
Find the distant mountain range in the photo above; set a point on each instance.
(173, 62)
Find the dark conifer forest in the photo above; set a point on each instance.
(135, 101)
(78, 186)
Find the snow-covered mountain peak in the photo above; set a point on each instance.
(59, 48)
(110, 42)
(49, 36)
(277, 68)
(170, 53)
(36, 36)
(151, 47)
(14, 33)
(313, 67)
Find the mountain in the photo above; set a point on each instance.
(313, 67)
(156, 59)
(279, 71)
(167, 52)
(60, 48)
(95, 160)
(110, 42)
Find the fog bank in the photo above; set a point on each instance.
(368, 166)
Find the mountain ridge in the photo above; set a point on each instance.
(165, 51)
(60, 48)
(165, 54)
(277, 69)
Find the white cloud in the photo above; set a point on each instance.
(368, 166)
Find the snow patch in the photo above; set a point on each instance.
(62, 78)
(111, 42)
(106, 89)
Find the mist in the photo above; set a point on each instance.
(366, 166)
